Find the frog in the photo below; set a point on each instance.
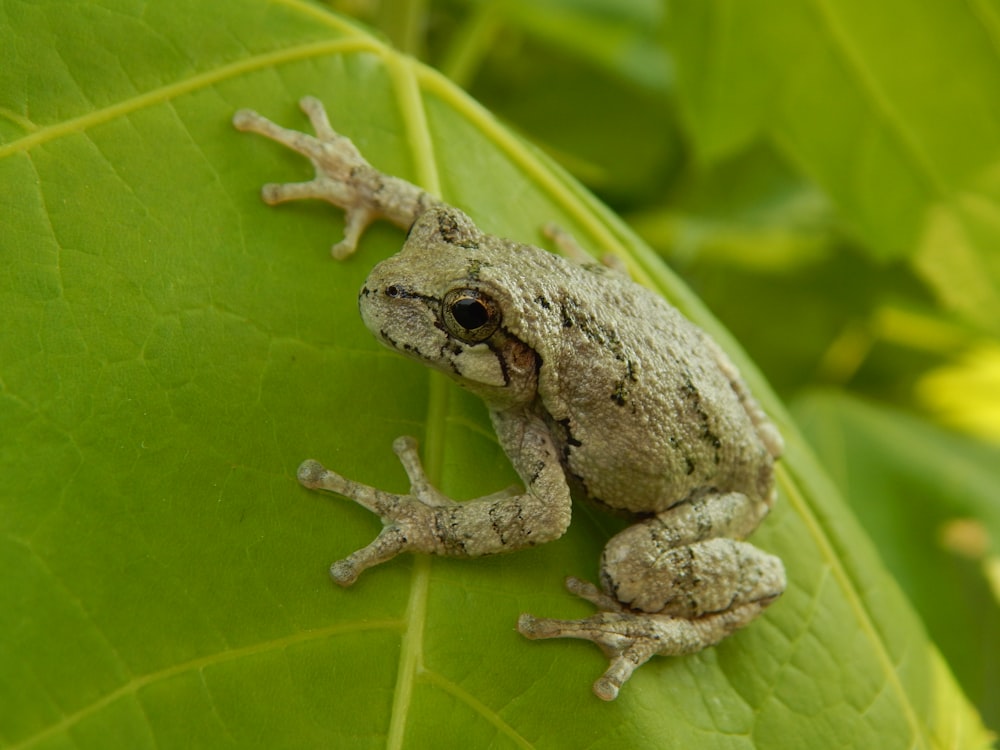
(597, 388)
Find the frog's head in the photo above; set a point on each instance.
(430, 302)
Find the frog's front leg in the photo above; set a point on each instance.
(672, 584)
(426, 520)
(343, 176)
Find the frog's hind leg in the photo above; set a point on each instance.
(673, 584)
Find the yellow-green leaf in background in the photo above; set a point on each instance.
(889, 107)
(929, 500)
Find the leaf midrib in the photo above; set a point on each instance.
(406, 89)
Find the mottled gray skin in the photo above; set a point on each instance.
(592, 382)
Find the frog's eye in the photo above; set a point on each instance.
(470, 315)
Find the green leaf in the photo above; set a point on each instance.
(895, 120)
(541, 65)
(172, 349)
(751, 212)
(617, 35)
(929, 500)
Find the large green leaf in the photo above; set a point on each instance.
(890, 107)
(929, 500)
(172, 349)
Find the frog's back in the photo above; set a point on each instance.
(636, 396)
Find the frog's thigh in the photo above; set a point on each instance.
(696, 579)
(684, 562)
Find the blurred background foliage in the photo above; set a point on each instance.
(828, 181)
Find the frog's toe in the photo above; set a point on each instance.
(389, 543)
(626, 651)
(621, 667)
(608, 630)
(590, 592)
(629, 639)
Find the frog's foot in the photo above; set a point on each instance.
(629, 638)
(407, 518)
(343, 176)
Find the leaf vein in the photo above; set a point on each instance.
(478, 706)
(879, 99)
(133, 686)
(187, 85)
(851, 595)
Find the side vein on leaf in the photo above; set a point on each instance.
(187, 85)
(478, 706)
(219, 716)
(771, 691)
(136, 684)
(867, 83)
(797, 499)
(986, 14)
(321, 14)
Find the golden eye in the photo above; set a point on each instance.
(470, 315)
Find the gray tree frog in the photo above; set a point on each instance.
(594, 385)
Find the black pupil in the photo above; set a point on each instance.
(470, 313)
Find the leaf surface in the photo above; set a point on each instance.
(929, 499)
(172, 349)
(896, 120)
